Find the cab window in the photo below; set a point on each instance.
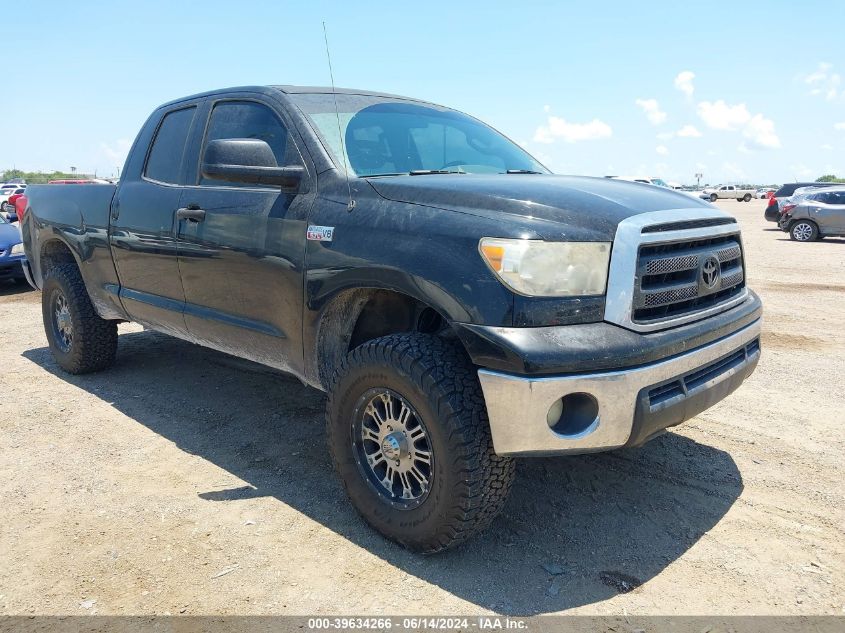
(246, 119)
(164, 162)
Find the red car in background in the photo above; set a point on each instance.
(20, 206)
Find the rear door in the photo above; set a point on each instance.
(242, 263)
(141, 231)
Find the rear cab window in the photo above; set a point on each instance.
(164, 162)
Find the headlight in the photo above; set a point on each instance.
(17, 249)
(548, 269)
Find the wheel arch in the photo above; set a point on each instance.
(356, 315)
(53, 252)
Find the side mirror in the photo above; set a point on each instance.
(248, 160)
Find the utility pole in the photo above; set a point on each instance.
(698, 178)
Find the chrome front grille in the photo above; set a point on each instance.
(683, 277)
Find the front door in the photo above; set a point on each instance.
(829, 212)
(241, 256)
(142, 232)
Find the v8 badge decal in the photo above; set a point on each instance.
(320, 233)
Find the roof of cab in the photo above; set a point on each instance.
(289, 90)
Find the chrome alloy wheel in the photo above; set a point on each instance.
(391, 446)
(62, 322)
(802, 232)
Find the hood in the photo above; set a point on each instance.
(9, 236)
(573, 207)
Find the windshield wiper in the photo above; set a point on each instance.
(428, 172)
(522, 171)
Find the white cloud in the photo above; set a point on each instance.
(734, 171)
(117, 151)
(827, 146)
(547, 108)
(760, 131)
(652, 110)
(721, 116)
(824, 82)
(683, 82)
(559, 128)
(801, 171)
(839, 126)
(665, 136)
(662, 150)
(689, 131)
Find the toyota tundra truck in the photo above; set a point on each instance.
(459, 304)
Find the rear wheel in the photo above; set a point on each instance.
(747, 197)
(804, 231)
(4, 206)
(81, 341)
(409, 436)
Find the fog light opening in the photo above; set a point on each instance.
(573, 414)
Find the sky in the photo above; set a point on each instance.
(737, 91)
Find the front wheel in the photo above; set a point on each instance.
(713, 197)
(81, 341)
(409, 437)
(746, 197)
(804, 231)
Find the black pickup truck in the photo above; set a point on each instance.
(460, 304)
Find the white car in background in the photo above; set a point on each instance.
(659, 182)
(5, 192)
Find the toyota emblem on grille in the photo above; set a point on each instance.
(710, 272)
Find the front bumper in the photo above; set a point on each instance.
(631, 405)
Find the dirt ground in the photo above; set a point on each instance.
(187, 481)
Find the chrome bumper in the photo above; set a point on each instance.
(518, 406)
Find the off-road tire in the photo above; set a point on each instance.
(469, 482)
(799, 231)
(94, 343)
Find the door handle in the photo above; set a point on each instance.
(191, 213)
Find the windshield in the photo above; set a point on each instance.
(384, 136)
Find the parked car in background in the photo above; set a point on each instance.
(14, 197)
(765, 193)
(815, 214)
(725, 192)
(5, 194)
(773, 210)
(643, 179)
(11, 251)
(20, 207)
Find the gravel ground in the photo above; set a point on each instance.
(186, 481)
